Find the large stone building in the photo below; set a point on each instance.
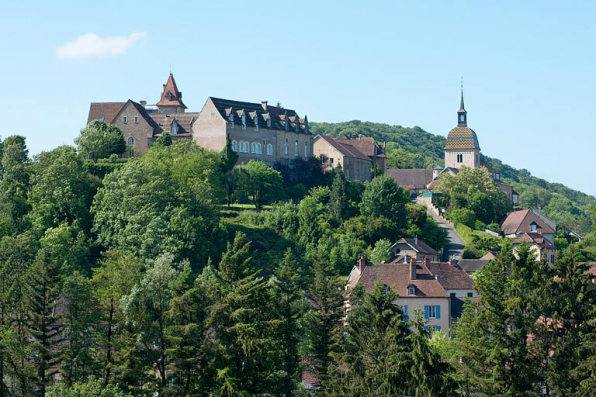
(255, 130)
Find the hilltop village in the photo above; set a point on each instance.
(242, 250)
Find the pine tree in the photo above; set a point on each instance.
(498, 338)
(324, 318)
(338, 200)
(375, 345)
(287, 294)
(245, 324)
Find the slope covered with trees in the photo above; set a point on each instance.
(416, 148)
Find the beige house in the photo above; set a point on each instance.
(257, 131)
(407, 248)
(435, 289)
(355, 164)
(370, 148)
(530, 227)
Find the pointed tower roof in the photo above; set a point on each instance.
(462, 115)
(170, 95)
(462, 137)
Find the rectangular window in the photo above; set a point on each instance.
(136, 120)
(125, 120)
(101, 118)
(470, 294)
(432, 312)
(552, 258)
(411, 290)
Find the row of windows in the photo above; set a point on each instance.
(255, 147)
(243, 118)
(125, 120)
(433, 309)
(296, 148)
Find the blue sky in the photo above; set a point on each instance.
(528, 67)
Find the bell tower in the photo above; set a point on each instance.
(462, 115)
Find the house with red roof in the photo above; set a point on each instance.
(354, 164)
(436, 289)
(529, 227)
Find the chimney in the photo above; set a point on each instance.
(452, 262)
(362, 262)
(143, 103)
(264, 105)
(412, 269)
(427, 260)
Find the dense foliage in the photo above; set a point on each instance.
(143, 282)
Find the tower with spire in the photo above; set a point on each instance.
(462, 147)
(171, 98)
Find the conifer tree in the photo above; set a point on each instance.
(375, 345)
(338, 200)
(324, 318)
(287, 294)
(245, 324)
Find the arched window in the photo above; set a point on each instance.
(234, 148)
(305, 149)
(246, 147)
(253, 148)
(269, 149)
(286, 147)
(296, 148)
(131, 141)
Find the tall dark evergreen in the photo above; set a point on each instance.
(245, 324)
(501, 353)
(324, 319)
(338, 199)
(288, 296)
(375, 361)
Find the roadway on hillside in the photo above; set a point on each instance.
(455, 245)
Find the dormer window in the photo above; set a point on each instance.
(101, 118)
(231, 119)
(297, 125)
(268, 120)
(169, 96)
(533, 227)
(412, 290)
(174, 128)
(256, 122)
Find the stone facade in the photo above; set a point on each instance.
(458, 158)
(256, 130)
(355, 164)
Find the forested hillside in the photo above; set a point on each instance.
(416, 148)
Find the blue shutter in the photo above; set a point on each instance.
(438, 311)
(438, 328)
(426, 312)
(426, 327)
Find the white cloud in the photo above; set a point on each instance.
(91, 45)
